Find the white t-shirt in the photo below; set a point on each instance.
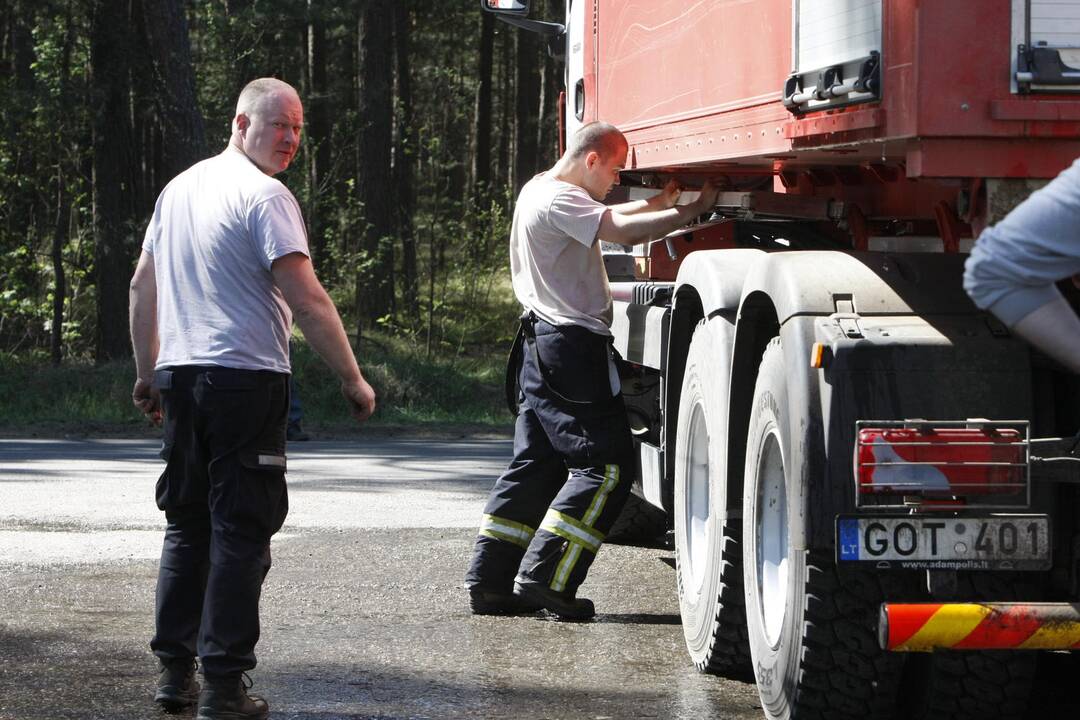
(555, 260)
(216, 229)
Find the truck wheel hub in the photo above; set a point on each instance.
(772, 538)
(697, 499)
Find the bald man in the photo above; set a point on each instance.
(223, 272)
(573, 462)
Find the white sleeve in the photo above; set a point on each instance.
(1014, 264)
(153, 228)
(277, 228)
(577, 215)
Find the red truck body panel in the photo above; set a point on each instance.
(699, 85)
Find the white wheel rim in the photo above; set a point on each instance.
(772, 537)
(697, 499)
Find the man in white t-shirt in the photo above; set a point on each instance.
(223, 271)
(573, 456)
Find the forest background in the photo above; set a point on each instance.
(422, 121)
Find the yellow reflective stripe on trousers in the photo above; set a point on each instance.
(611, 479)
(578, 537)
(562, 572)
(573, 530)
(508, 530)
(579, 533)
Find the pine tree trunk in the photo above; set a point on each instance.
(317, 134)
(404, 154)
(17, 48)
(178, 108)
(481, 160)
(59, 239)
(505, 174)
(63, 212)
(547, 131)
(375, 278)
(113, 185)
(241, 70)
(526, 109)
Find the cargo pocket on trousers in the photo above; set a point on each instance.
(264, 494)
(164, 494)
(575, 369)
(161, 489)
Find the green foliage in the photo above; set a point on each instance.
(43, 148)
(438, 351)
(463, 389)
(448, 389)
(77, 397)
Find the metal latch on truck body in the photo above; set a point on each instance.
(836, 54)
(846, 317)
(1048, 69)
(1045, 42)
(834, 86)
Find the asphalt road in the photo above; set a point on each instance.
(363, 613)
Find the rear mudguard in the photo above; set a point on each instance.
(901, 339)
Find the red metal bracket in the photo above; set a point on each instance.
(834, 123)
(949, 226)
(883, 173)
(860, 237)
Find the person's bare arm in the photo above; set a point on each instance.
(142, 321)
(640, 227)
(1055, 329)
(318, 319)
(663, 200)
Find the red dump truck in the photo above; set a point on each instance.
(872, 484)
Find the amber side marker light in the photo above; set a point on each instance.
(817, 355)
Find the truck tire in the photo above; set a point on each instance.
(708, 556)
(811, 629)
(638, 523)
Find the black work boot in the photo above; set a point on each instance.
(226, 698)
(487, 602)
(176, 686)
(563, 604)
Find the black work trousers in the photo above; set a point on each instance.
(572, 468)
(223, 493)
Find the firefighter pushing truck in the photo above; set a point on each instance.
(872, 483)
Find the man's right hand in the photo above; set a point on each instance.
(361, 399)
(148, 400)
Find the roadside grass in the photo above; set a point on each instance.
(434, 374)
(35, 396)
(449, 392)
(444, 391)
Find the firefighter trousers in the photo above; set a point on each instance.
(572, 468)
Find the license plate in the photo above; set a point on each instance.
(1002, 542)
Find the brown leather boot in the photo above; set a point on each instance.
(176, 686)
(226, 698)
